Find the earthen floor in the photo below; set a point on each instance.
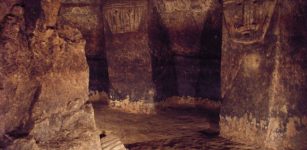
(170, 129)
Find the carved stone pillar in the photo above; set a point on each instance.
(264, 73)
(128, 52)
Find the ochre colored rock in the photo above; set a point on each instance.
(264, 73)
(60, 111)
(128, 51)
(86, 16)
(44, 85)
(50, 10)
(6, 6)
(17, 87)
(185, 21)
(61, 119)
(24, 144)
(193, 29)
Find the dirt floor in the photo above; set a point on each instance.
(184, 128)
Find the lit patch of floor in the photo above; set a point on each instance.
(192, 142)
(169, 129)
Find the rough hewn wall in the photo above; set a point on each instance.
(44, 80)
(182, 43)
(264, 73)
(191, 34)
(17, 86)
(87, 16)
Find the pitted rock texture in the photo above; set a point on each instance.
(17, 87)
(185, 21)
(87, 16)
(60, 111)
(50, 12)
(6, 6)
(128, 51)
(186, 39)
(44, 83)
(264, 73)
(180, 34)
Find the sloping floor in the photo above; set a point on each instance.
(192, 142)
(169, 129)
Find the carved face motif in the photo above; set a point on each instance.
(247, 21)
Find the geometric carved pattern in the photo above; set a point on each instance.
(247, 21)
(124, 17)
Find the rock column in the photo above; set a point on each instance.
(128, 54)
(44, 82)
(264, 73)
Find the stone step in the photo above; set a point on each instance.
(111, 142)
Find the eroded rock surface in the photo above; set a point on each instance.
(44, 80)
(17, 87)
(87, 16)
(60, 112)
(128, 51)
(264, 73)
(5, 7)
(190, 30)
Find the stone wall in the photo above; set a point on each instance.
(143, 51)
(44, 82)
(264, 73)
(193, 32)
(183, 45)
(17, 87)
(87, 16)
